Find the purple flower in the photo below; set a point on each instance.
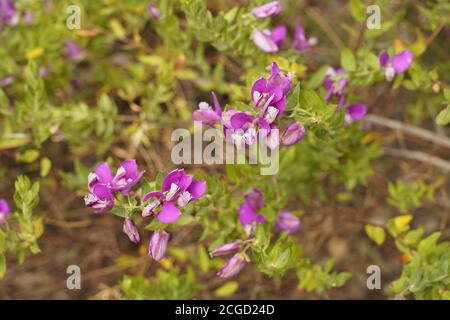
(153, 10)
(231, 247)
(288, 222)
(335, 83)
(100, 199)
(263, 40)
(177, 188)
(206, 114)
(127, 176)
(399, 63)
(293, 134)
(6, 80)
(240, 128)
(7, 12)
(300, 42)
(158, 244)
(4, 211)
(355, 112)
(72, 50)
(248, 209)
(270, 9)
(28, 17)
(129, 228)
(278, 34)
(232, 267)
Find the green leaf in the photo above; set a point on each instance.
(428, 243)
(226, 289)
(348, 61)
(46, 165)
(443, 118)
(375, 233)
(203, 259)
(2, 265)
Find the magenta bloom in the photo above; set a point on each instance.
(158, 244)
(6, 80)
(7, 13)
(127, 176)
(231, 247)
(293, 134)
(287, 222)
(240, 128)
(130, 229)
(232, 267)
(100, 199)
(177, 188)
(153, 10)
(4, 211)
(270, 9)
(300, 42)
(355, 112)
(399, 63)
(248, 210)
(206, 114)
(263, 40)
(335, 83)
(278, 35)
(72, 50)
(28, 17)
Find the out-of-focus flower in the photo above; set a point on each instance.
(335, 83)
(263, 40)
(6, 80)
(206, 114)
(28, 17)
(4, 210)
(269, 9)
(293, 134)
(72, 50)
(130, 229)
(288, 222)
(153, 10)
(158, 244)
(248, 210)
(300, 42)
(232, 267)
(177, 188)
(399, 63)
(355, 112)
(8, 13)
(231, 247)
(278, 35)
(100, 199)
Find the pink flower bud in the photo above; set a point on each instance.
(158, 244)
(293, 134)
(232, 267)
(129, 228)
(231, 247)
(288, 222)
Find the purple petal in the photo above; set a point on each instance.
(384, 59)
(267, 10)
(102, 192)
(255, 198)
(154, 194)
(288, 222)
(216, 103)
(246, 213)
(264, 42)
(231, 247)
(104, 173)
(232, 267)
(153, 10)
(356, 111)
(4, 208)
(279, 80)
(177, 177)
(240, 119)
(130, 167)
(158, 244)
(206, 116)
(402, 61)
(278, 35)
(130, 229)
(169, 213)
(294, 133)
(197, 189)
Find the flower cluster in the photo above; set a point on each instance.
(398, 64)
(4, 211)
(102, 184)
(249, 218)
(272, 40)
(269, 101)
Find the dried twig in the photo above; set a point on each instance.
(419, 156)
(409, 129)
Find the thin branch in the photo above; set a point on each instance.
(419, 156)
(409, 129)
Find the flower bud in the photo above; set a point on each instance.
(225, 249)
(288, 222)
(129, 228)
(153, 10)
(294, 133)
(158, 244)
(232, 267)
